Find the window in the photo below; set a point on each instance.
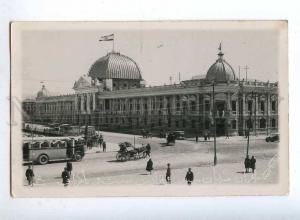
(250, 106)
(207, 122)
(262, 106)
(233, 124)
(178, 107)
(207, 105)
(273, 123)
(183, 123)
(273, 106)
(159, 122)
(193, 124)
(233, 106)
(169, 122)
(45, 145)
(176, 124)
(262, 123)
(193, 106)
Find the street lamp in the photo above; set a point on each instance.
(215, 126)
(249, 126)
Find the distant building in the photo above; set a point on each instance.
(113, 97)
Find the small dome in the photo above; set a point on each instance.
(115, 66)
(220, 70)
(43, 92)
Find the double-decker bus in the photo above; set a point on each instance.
(44, 149)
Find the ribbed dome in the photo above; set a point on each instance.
(220, 70)
(115, 66)
(43, 92)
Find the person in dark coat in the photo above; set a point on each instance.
(252, 164)
(247, 164)
(189, 177)
(66, 177)
(69, 167)
(104, 146)
(197, 137)
(29, 175)
(168, 174)
(149, 166)
(148, 149)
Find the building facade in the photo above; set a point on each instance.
(113, 97)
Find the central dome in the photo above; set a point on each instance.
(220, 71)
(115, 66)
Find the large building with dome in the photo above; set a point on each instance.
(112, 96)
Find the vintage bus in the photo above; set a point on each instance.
(44, 149)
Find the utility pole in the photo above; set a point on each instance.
(215, 126)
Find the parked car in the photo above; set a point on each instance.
(272, 138)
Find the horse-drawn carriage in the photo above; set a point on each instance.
(129, 152)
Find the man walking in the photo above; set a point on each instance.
(247, 164)
(104, 146)
(168, 174)
(148, 149)
(29, 175)
(149, 166)
(65, 176)
(69, 167)
(189, 177)
(252, 164)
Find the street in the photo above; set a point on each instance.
(101, 168)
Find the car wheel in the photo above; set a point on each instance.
(77, 157)
(43, 159)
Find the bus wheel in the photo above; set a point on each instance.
(43, 159)
(77, 157)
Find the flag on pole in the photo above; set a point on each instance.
(220, 47)
(107, 38)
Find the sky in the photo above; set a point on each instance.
(59, 57)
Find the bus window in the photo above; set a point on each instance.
(35, 145)
(45, 144)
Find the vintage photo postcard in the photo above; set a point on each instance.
(149, 108)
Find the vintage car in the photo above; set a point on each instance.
(272, 138)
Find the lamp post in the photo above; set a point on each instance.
(215, 126)
(249, 126)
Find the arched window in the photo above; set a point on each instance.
(273, 123)
(262, 123)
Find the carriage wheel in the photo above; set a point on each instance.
(118, 157)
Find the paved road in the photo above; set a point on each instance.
(102, 168)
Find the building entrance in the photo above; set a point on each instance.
(220, 127)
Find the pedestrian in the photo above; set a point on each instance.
(189, 177)
(104, 146)
(100, 140)
(208, 135)
(252, 164)
(29, 175)
(247, 164)
(227, 134)
(69, 167)
(168, 174)
(205, 135)
(65, 176)
(149, 166)
(197, 137)
(148, 149)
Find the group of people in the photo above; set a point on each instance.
(250, 164)
(97, 140)
(189, 177)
